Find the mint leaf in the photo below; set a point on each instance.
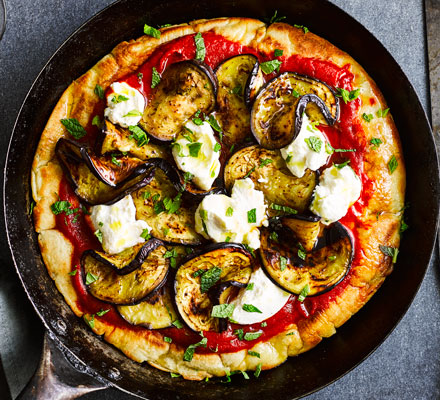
(99, 91)
(389, 251)
(348, 96)
(200, 47)
(222, 310)
(250, 308)
(270, 66)
(74, 127)
(392, 164)
(252, 335)
(209, 279)
(304, 292)
(150, 31)
(139, 135)
(189, 352)
(90, 278)
(252, 216)
(314, 143)
(155, 78)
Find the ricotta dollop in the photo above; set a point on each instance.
(264, 295)
(299, 155)
(125, 105)
(196, 151)
(337, 191)
(118, 225)
(236, 218)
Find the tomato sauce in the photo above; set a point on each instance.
(346, 134)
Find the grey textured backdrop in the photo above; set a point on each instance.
(406, 366)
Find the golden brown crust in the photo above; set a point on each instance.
(380, 219)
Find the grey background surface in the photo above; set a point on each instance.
(405, 366)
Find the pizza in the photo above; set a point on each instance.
(215, 197)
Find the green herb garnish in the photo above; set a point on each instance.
(389, 251)
(270, 66)
(392, 164)
(251, 308)
(252, 216)
(314, 143)
(200, 47)
(194, 149)
(139, 135)
(367, 117)
(252, 335)
(304, 292)
(209, 279)
(90, 278)
(222, 310)
(375, 142)
(74, 127)
(283, 263)
(189, 352)
(229, 212)
(99, 91)
(150, 31)
(348, 96)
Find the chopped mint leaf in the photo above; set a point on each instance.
(252, 216)
(150, 31)
(375, 142)
(314, 143)
(251, 308)
(348, 96)
(389, 251)
(194, 149)
(392, 164)
(139, 135)
(304, 292)
(283, 263)
(90, 278)
(155, 78)
(278, 53)
(99, 91)
(102, 312)
(270, 66)
(200, 47)
(222, 310)
(304, 28)
(252, 335)
(209, 279)
(74, 127)
(367, 117)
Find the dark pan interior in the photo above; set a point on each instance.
(360, 335)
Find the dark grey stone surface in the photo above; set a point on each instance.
(405, 366)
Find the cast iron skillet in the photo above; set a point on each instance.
(334, 356)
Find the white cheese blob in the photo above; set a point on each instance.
(298, 154)
(223, 218)
(206, 165)
(337, 191)
(125, 105)
(118, 225)
(264, 295)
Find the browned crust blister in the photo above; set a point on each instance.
(381, 217)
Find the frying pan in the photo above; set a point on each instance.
(298, 376)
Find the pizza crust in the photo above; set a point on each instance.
(381, 217)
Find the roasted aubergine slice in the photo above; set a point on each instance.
(103, 179)
(160, 205)
(126, 261)
(320, 270)
(269, 173)
(185, 88)
(155, 312)
(133, 140)
(197, 280)
(104, 283)
(304, 229)
(273, 115)
(239, 79)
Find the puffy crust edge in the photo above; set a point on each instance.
(78, 101)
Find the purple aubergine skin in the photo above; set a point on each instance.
(65, 154)
(288, 137)
(155, 243)
(333, 233)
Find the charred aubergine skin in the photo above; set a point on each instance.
(239, 79)
(322, 269)
(196, 277)
(274, 112)
(104, 283)
(103, 179)
(185, 88)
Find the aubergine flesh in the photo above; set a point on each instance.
(234, 75)
(299, 228)
(107, 285)
(185, 88)
(173, 227)
(322, 269)
(104, 179)
(273, 115)
(195, 283)
(120, 139)
(274, 179)
(155, 312)
(126, 261)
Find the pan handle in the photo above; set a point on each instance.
(56, 378)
